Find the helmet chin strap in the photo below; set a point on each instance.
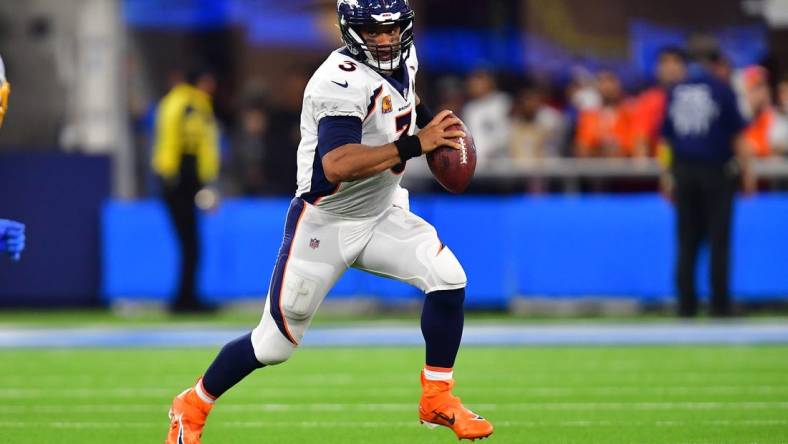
(383, 65)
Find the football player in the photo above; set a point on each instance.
(358, 129)
(12, 233)
(5, 91)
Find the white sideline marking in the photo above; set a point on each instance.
(382, 334)
(85, 392)
(143, 392)
(403, 407)
(613, 372)
(380, 424)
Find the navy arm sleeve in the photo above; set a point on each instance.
(336, 131)
(423, 115)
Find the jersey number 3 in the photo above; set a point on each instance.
(348, 66)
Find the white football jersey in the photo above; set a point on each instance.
(343, 86)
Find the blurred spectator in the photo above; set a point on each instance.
(671, 69)
(487, 116)
(451, 94)
(781, 117)
(607, 131)
(581, 94)
(249, 148)
(760, 133)
(186, 159)
(703, 126)
(723, 68)
(279, 162)
(707, 46)
(536, 129)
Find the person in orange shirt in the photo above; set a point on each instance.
(780, 129)
(650, 106)
(759, 135)
(607, 131)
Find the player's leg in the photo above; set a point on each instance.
(305, 270)
(689, 229)
(719, 192)
(407, 248)
(180, 201)
(190, 252)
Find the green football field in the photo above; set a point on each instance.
(656, 394)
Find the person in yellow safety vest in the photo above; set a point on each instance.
(186, 160)
(5, 91)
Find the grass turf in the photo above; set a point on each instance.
(666, 394)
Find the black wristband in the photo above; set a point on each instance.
(408, 147)
(423, 115)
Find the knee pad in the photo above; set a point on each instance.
(298, 299)
(445, 268)
(270, 347)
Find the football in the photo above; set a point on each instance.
(453, 168)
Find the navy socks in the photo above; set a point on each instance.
(234, 362)
(441, 324)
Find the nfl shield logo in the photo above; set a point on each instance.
(314, 243)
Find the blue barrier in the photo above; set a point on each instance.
(59, 197)
(619, 246)
(594, 245)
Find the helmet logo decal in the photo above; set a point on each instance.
(386, 16)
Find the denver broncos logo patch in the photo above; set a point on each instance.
(387, 107)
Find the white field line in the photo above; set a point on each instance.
(400, 407)
(576, 375)
(143, 392)
(398, 424)
(772, 332)
(13, 393)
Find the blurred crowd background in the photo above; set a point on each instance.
(561, 96)
(535, 80)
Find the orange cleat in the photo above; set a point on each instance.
(187, 418)
(438, 407)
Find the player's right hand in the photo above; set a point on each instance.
(5, 90)
(12, 238)
(435, 135)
